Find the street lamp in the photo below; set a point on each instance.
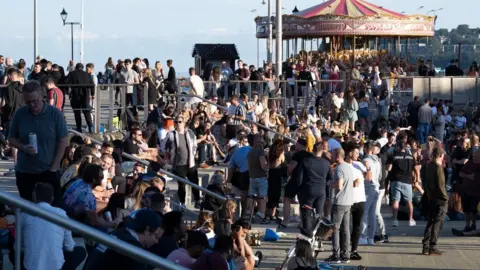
(64, 15)
(434, 11)
(270, 29)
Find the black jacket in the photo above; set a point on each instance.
(312, 175)
(453, 70)
(171, 80)
(211, 203)
(12, 94)
(104, 258)
(79, 96)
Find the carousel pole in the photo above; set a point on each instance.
(279, 34)
(354, 46)
(270, 33)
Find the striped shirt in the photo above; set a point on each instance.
(236, 111)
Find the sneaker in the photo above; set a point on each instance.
(436, 252)
(345, 259)
(264, 221)
(385, 238)
(371, 242)
(333, 259)
(457, 232)
(426, 251)
(467, 229)
(474, 227)
(395, 223)
(362, 242)
(355, 256)
(412, 223)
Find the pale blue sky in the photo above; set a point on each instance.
(159, 29)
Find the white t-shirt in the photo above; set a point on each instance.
(448, 118)
(359, 192)
(434, 110)
(197, 83)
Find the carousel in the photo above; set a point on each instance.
(347, 30)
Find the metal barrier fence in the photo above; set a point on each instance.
(146, 163)
(122, 247)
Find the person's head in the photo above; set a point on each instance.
(93, 175)
(303, 250)
(179, 123)
(148, 226)
(438, 154)
(157, 202)
(231, 207)
(352, 151)
(391, 138)
(174, 225)
(33, 97)
(427, 101)
(13, 74)
(169, 63)
(301, 145)
(241, 228)
(107, 161)
(49, 83)
(90, 68)
(107, 148)
(79, 66)
(224, 246)
(197, 242)
(2, 59)
(240, 64)
(136, 134)
(42, 192)
(338, 155)
(234, 100)
(191, 71)
(401, 146)
(258, 141)
(158, 183)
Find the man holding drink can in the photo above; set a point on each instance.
(39, 132)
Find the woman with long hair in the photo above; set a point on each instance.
(157, 72)
(277, 172)
(110, 70)
(292, 119)
(216, 87)
(207, 72)
(134, 201)
(350, 107)
(151, 86)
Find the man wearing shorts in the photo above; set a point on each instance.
(292, 188)
(238, 173)
(257, 168)
(400, 166)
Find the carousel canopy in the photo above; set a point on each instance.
(349, 18)
(347, 8)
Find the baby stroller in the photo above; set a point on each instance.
(322, 231)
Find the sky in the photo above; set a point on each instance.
(161, 30)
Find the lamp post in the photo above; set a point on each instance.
(270, 34)
(279, 36)
(64, 15)
(35, 31)
(434, 11)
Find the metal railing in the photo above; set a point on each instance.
(122, 247)
(247, 120)
(146, 163)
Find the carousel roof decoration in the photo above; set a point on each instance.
(347, 8)
(215, 51)
(295, 10)
(349, 18)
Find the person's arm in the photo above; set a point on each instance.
(263, 162)
(68, 242)
(62, 142)
(249, 257)
(13, 137)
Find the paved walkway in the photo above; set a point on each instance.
(403, 251)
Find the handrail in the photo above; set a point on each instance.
(250, 121)
(146, 163)
(180, 206)
(103, 238)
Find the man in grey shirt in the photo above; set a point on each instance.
(129, 76)
(42, 163)
(424, 120)
(342, 201)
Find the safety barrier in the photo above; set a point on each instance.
(126, 249)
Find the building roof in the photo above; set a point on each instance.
(348, 8)
(216, 51)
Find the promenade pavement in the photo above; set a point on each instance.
(403, 251)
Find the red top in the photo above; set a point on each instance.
(57, 96)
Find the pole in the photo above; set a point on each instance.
(35, 31)
(81, 33)
(258, 53)
(71, 27)
(270, 33)
(279, 34)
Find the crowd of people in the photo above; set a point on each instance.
(338, 159)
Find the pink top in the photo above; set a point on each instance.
(181, 257)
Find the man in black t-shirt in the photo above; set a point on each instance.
(400, 166)
(292, 188)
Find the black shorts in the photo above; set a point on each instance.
(470, 204)
(291, 190)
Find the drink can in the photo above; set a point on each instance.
(32, 140)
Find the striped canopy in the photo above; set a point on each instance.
(349, 8)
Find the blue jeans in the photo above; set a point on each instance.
(370, 215)
(423, 132)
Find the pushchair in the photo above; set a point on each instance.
(322, 231)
